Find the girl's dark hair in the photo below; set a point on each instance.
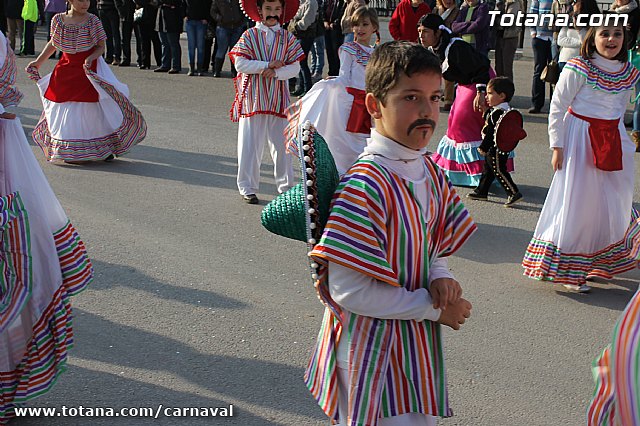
(588, 48)
(391, 60)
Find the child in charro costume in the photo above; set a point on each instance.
(616, 400)
(336, 106)
(265, 57)
(588, 226)
(87, 114)
(44, 262)
(500, 135)
(380, 263)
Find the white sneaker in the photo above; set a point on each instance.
(579, 288)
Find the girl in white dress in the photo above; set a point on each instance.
(336, 106)
(588, 226)
(44, 263)
(87, 114)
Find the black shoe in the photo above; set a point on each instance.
(534, 110)
(174, 71)
(298, 92)
(125, 64)
(144, 67)
(109, 158)
(475, 196)
(161, 69)
(513, 199)
(250, 199)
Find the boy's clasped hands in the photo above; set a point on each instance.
(270, 71)
(446, 294)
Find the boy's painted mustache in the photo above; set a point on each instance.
(421, 122)
(277, 18)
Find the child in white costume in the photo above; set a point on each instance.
(266, 57)
(588, 226)
(336, 106)
(44, 262)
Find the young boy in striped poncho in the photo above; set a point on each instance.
(266, 57)
(383, 273)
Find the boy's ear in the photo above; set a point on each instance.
(373, 106)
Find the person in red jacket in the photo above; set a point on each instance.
(403, 24)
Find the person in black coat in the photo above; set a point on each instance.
(146, 28)
(169, 27)
(125, 11)
(111, 22)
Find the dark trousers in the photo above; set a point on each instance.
(137, 30)
(171, 51)
(305, 73)
(495, 167)
(111, 23)
(505, 52)
(28, 38)
(333, 40)
(541, 57)
(126, 29)
(210, 51)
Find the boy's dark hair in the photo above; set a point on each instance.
(504, 86)
(392, 59)
(588, 48)
(261, 2)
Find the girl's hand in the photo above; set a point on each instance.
(88, 61)
(34, 64)
(557, 159)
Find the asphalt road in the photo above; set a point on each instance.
(194, 304)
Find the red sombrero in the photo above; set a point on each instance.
(509, 131)
(250, 8)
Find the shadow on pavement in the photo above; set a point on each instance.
(612, 294)
(109, 276)
(254, 381)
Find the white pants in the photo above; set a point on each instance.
(410, 419)
(252, 133)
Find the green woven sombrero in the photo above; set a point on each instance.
(302, 212)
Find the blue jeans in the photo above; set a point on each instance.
(171, 52)
(317, 55)
(226, 38)
(196, 30)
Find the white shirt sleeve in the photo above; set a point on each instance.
(288, 71)
(366, 296)
(2, 110)
(439, 269)
(346, 62)
(249, 66)
(565, 92)
(568, 38)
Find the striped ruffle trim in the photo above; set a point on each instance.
(617, 374)
(44, 360)
(9, 95)
(131, 132)
(615, 83)
(544, 261)
(15, 250)
(77, 270)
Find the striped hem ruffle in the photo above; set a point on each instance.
(44, 360)
(9, 95)
(544, 261)
(131, 132)
(461, 162)
(77, 270)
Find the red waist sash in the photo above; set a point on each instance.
(605, 142)
(69, 83)
(359, 118)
